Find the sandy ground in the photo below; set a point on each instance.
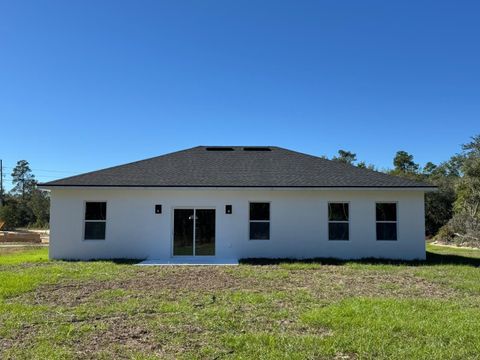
(453, 246)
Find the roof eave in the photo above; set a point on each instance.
(425, 188)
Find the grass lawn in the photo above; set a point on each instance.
(297, 310)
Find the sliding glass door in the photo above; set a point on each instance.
(194, 232)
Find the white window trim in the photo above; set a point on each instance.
(338, 221)
(261, 221)
(85, 220)
(386, 221)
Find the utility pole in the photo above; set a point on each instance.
(1, 182)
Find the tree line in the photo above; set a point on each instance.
(452, 213)
(24, 205)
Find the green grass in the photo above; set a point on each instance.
(10, 256)
(287, 310)
(410, 328)
(456, 251)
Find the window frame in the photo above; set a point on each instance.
(260, 221)
(172, 227)
(85, 220)
(338, 221)
(386, 221)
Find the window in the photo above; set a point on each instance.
(95, 220)
(259, 221)
(386, 215)
(338, 221)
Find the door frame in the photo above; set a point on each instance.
(172, 230)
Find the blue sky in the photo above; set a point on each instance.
(91, 84)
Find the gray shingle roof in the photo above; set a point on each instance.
(213, 167)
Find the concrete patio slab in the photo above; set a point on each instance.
(189, 262)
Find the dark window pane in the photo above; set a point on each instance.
(205, 232)
(386, 231)
(259, 230)
(95, 211)
(94, 230)
(386, 212)
(338, 231)
(259, 211)
(183, 232)
(338, 212)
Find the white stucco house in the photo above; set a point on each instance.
(236, 202)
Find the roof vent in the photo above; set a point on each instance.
(219, 148)
(253, 148)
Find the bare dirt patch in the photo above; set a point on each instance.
(122, 333)
(175, 282)
(329, 282)
(340, 284)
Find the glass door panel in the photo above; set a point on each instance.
(183, 220)
(204, 232)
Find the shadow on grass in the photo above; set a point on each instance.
(432, 259)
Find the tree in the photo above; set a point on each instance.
(472, 149)
(23, 180)
(429, 168)
(25, 205)
(345, 157)
(363, 165)
(439, 204)
(10, 213)
(404, 163)
(2, 196)
(465, 223)
(39, 203)
(453, 167)
(467, 204)
(2, 191)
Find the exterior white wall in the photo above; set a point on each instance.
(298, 225)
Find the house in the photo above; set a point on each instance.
(212, 202)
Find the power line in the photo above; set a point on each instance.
(7, 183)
(44, 170)
(39, 178)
